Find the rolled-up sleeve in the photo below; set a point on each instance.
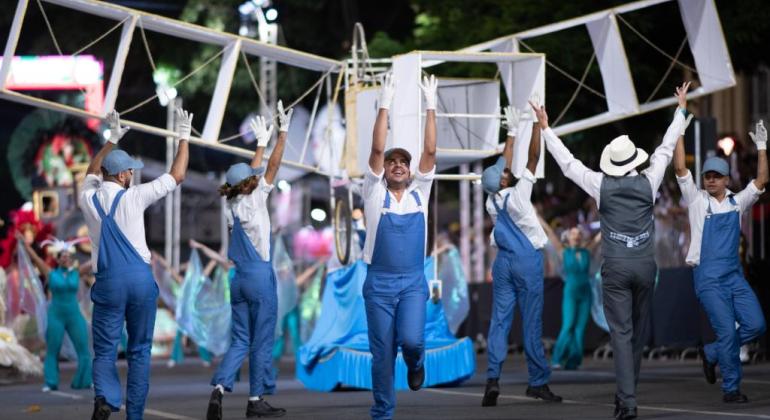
(152, 191)
(748, 196)
(689, 190)
(90, 184)
(424, 181)
(371, 181)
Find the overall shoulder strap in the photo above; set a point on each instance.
(98, 206)
(115, 202)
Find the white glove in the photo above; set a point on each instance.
(116, 131)
(260, 130)
(429, 86)
(284, 118)
(387, 91)
(760, 137)
(511, 120)
(183, 124)
(685, 125)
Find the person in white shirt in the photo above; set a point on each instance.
(726, 296)
(125, 289)
(625, 199)
(517, 273)
(395, 290)
(253, 292)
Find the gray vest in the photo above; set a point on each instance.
(628, 229)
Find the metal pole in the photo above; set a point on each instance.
(697, 153)
(465, 221)
(478, 228)
(223, 229)
(177, 206)
(169, 214)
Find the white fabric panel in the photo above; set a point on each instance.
(707, 43)
(405, 122)
(366, 113)
(506, 68)
(613, 63)
(468, 96)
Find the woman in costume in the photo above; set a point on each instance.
(575, 257)
(63, 312)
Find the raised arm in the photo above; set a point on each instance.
(44, 269)
(166, 266)
(263, 134)
(116, 133)
(534, 144)
(274, 163)
(663, 153)
(510, 122)
(429, 87)
(590, 181)
(551, 236)
(183, 130)
(760, 139)
(380, 135)
(210, 253)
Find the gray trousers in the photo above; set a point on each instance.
(627, 286)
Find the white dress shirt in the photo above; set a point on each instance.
(591, 181)
(520, 209)
(251, 209)
(374, 191)
(129, 215)
(698, 200)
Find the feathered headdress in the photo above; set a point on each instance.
(55, 245)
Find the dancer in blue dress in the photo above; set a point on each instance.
(63, 312)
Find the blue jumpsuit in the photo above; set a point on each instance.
(725, 295)
(125, 291)
(254, 303)
(517, 275)
(575, 308)
(395, 294)
(64, 315)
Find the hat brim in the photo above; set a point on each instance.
(611, 169)
(397, 150)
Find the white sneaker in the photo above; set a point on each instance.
(170, 363)
(46, 388)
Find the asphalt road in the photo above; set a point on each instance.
(667, 390)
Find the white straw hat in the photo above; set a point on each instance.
(621, 156)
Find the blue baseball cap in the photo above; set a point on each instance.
(718, 165)
(240, 171)
(398, 151)
(490, 178)
(118, 161)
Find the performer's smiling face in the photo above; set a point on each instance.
(715, 183)
(397, 170)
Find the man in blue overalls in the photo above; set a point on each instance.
(395, 291)
(714, 214)
(517, 272)
(125, 290)
(253, 293)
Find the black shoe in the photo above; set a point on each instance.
(102, 410)
(260, 408)
(214, 411)
(709, 369)
(416, 378)
(617, 407)
(625, 413)
(734, 397)
(542, 393)
(491, 392)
